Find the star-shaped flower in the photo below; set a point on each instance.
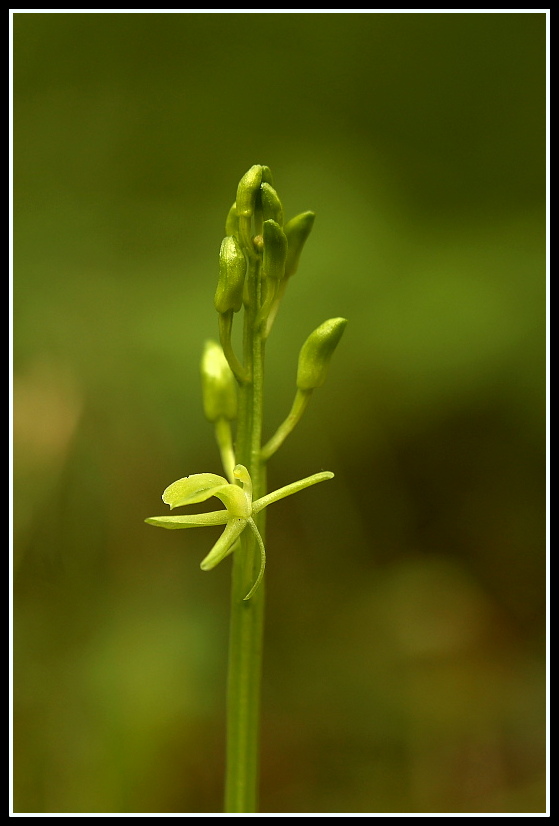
(238, 514)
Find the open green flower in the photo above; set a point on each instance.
(238, 514)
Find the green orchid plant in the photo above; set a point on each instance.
(258, 258)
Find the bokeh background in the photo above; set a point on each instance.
(405, 637)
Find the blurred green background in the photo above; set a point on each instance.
(405, 637)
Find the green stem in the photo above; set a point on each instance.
(247, 616)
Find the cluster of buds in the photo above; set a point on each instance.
(257, 236)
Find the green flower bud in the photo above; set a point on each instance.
(297, 231)
(267, 175)
(271, 204)
(316, 353)
(232, 269)
(275, 250)
(232, 221)
(247, 191)
(219, 388)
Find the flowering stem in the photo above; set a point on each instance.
(247, 616)
(256, 258)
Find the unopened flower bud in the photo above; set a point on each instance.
(232, 221)
(232, 269)
(219, 388)
(316, 353)
(271, 204)
(297, 231)
(267, 175)
(275, 250)
(247, 191)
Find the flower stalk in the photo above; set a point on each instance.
(257, 258)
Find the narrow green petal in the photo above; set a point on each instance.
(195, 520)
(294, 487)
(221, 549)
(192, 489)
(258, 579)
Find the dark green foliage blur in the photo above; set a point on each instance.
(405, 635)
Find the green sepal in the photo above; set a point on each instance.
(316, 353)
(297, 231)
(247, 191)
(194, 520)
(275, 250)
(219, 388)
(232, 270)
